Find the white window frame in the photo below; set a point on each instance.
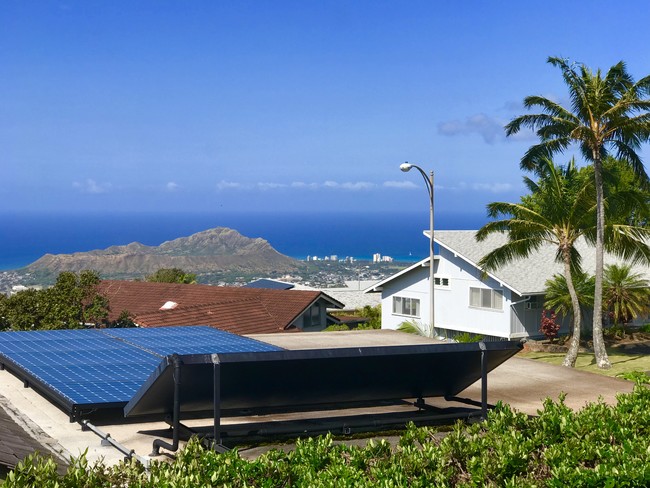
(479, 298)
(412, 308)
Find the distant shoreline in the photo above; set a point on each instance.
(27, 237)
(362, 259)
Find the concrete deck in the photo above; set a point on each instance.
(520, 382)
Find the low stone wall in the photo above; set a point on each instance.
(545, 346)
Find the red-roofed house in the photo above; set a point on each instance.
(234, 309)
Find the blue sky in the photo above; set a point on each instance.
(280, 106)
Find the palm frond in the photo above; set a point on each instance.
(629, 155)
(414, 327)
(628, 242)
(514, 249)
(538, 153)
(557, 111)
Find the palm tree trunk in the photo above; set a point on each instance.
(572, 353)
(602, 361)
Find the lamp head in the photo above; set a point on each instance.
(405, 167)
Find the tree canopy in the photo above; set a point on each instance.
(172, 275)
(73, 302)
(609, 114)
(557, 211)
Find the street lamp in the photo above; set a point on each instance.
(428, 180)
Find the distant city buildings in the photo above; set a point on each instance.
(333, 257)
(376, 258)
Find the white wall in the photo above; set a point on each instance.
(411, 285)
(452, 309)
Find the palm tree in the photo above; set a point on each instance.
(558, 211)
(608, 113)
(626, 293)
(558, 298)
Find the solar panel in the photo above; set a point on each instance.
(256, 382)
(189, 340)
(103, 368)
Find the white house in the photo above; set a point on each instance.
(505, 304)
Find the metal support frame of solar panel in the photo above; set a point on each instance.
(222, 384)
(81, 370)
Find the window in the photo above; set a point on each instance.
(406, 306)
(312, 317)
(485, 298)
(441, 282)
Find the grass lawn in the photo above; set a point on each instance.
(621, 363)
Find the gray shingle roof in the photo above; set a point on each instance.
(16, 443)
(524, 276)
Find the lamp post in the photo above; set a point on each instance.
(428, 180)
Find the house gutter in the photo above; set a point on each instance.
(521, 301)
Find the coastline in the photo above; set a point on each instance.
(27, 237)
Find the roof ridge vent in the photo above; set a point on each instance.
(169, 305)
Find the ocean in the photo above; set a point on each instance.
(26, 237)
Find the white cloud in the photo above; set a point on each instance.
(349, 185)
(358, 185)
(408, 185)
(228, 185)
(489, 128)
(524, 135)
(302, 184)
(486, 187)
(271, 186)
(172, 186)
(298, 185)
(91, 186)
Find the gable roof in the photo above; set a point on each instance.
(234, 309)
(377, 287)
(524, 276)
(269, 283)
(353, 294)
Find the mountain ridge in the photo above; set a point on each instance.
(219, 249)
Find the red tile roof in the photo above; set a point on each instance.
(234, 309)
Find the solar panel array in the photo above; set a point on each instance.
(105, 367)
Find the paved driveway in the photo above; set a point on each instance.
(525, 383)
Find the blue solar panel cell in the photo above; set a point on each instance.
(87, 368)
(189, 340)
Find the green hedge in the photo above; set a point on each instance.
(599, 445)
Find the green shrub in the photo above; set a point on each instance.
(466, 337)
(614, 332)
(600, 445)
(336, 327)
(636, 376)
